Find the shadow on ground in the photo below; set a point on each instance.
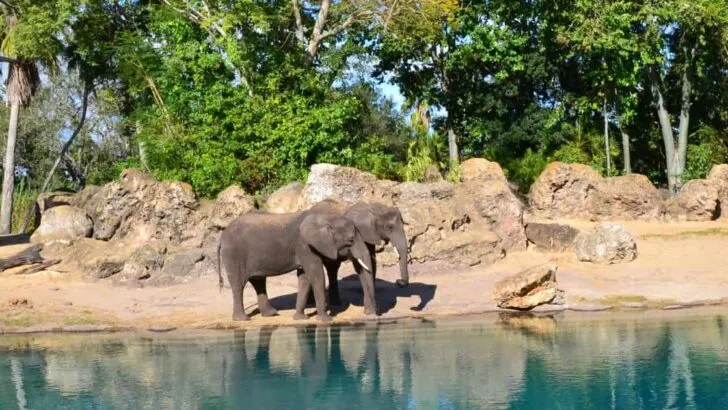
(351, 294)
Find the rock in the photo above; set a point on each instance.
(230, 203)
(633, 305)
(85, 328)
(629, 197)
(560, 298)
(553, 237)
(589, 307)
(144, 262)
(63, 223)
(499, 208)
(186, 265)
(99, 259)
(432, 174)
(285, 199)
(479, 169)
(563, 190)
(348, 185)
(527, 289)
(674, 307)
(719, 177)
(607, 243)
(697, 201)
(140, 208)
(161, 328)
(48, 200)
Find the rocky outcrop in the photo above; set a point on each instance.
(606, 244)
(551, 237)
(629, 197)
(230, 204)
(697, 201)
(62, 223)
(578, 191)
(527, 289)
(479, 169)
(285, 199)
(719, 177)
(494, 203)
(348, 185)
(563, 190)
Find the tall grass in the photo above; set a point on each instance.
(23, 197)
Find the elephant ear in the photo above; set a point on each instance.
(316, 232)
(366, 224)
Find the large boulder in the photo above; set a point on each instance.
(230, 203)
(98, 259)
(479, 169)
(140, 208)
(144, 262)
(348, 185)
(439, 229)
(494, 203)
(697, 201)
(606, 244)
(626, 197)
(62, 223)
(527, 289)
(285, 199)
(552, 237)
(719, 177)
(563, 190)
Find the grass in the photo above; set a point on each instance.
(33, 317)
(617, 300)
(684, 234)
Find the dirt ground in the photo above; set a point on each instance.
(678, 263)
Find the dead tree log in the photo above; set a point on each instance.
(27, 256)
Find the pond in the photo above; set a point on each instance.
(622, 360)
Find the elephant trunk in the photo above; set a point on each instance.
(360, 253)
(399, 240)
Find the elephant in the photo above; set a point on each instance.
(376, 223)
(261, 244)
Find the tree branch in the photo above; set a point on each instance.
(299, 22)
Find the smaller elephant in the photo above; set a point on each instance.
(376, 223)
(260, 244)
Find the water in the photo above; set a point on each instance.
(568, 361)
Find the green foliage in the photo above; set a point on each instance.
(526, 169)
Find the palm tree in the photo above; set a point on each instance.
(23, 81)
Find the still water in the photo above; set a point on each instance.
(565, 361)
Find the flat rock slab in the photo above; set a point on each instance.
(675, 307)
(161, 328)
(588, 307)
(549, 308)
(527, 289)
(86, 328)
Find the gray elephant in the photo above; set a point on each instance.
(376, 223)
(260, 244)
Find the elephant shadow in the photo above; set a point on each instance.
(352, 294)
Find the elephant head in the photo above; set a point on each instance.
(378, 222)
(333, 235)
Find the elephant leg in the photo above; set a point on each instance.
(301, 296)
(367, 285)
(237, 285)
(263, 303)
(315, 275)
(373, 254)
(332, 270)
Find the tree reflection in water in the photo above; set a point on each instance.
(524, 361)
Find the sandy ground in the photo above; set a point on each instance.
(683, 263)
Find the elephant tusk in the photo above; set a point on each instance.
(363, 265)
(396, 251)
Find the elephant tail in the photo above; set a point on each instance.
(219, 264)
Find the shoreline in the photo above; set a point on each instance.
(586, 309)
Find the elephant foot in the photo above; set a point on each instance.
(370, 312)
(324, 317)
(299, 316)
(240, 317)
(401, 284)
(269, 312)
(370, 316)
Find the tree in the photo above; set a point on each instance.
(28, 34)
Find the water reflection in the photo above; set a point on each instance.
(504, 361)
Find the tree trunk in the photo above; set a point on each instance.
(606, 138)
(673, 173)
(625, 151)
(6, 209)
(682, 135)
(452, 146)
(64, 149)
